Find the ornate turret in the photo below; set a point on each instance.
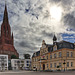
(54, 39)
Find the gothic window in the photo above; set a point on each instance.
(0, 41)
(8, 41)
(7, 30)
(4, 29)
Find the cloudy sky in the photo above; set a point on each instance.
(35, 20)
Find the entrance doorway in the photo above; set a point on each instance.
(43, 66)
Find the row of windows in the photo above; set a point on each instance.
(55, 56)
(19, 61)
(55, 65)
(60, 54)
(58, 66)
(68, 54)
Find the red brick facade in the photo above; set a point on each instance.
(6, 39)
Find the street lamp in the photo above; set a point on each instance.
(64, 65)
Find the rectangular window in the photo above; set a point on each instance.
(51, 65)
(67, 64)
(47, 57)
(55, 65)
(27, 61)
(55, 48)
(55, 55)
(50, 56)
(67, 54)
(59, 64)
(71, 54)
(59, 54)
(71, 64)
(47, 65)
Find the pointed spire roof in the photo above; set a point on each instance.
(54, 38)
(12, 35)
(5, 18)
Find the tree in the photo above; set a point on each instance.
(26, 56)
(14, 57)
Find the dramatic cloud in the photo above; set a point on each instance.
(31, 22)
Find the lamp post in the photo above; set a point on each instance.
(64, 65)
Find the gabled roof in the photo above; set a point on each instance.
(60, 45)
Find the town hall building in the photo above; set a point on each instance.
(56, 56)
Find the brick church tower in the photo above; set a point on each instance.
(6, 39)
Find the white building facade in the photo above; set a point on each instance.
(3, 62)
(27, 63)
(20, 64)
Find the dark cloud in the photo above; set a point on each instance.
(27, 45)
(69, 20)
(47, 34)
(56, 1)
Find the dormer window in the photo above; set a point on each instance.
(60, 45)
(71, 45)
(55, 48)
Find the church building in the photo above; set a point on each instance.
(6, 38)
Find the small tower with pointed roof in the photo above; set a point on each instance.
(54, 39)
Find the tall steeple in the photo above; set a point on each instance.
(5, 27)
(6, 39)
(5, 18)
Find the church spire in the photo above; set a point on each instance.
(5, 18)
